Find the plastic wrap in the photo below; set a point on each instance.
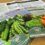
(33, 31)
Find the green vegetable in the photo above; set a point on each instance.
(21, 22)
(33, 22)
(15, 27)
(23, 29)
(19, 17)
(12, 33)
(2, 26)
(18, 25)
(5, 33)
(10, 21)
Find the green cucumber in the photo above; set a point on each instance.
(20, 29)
(23, 29)
(15, 27)
(5, 33)
(12, 31)
(17, 30)
(21, 22)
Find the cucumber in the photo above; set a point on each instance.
(20, 29)
(23, 29)
(10, 21)
(21, 22)
(17, 30)
(12, 33)
(2, 26)
(5, 33)
(15, 27)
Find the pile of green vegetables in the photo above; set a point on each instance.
(17, 25)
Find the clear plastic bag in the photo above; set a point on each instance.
(22, 39)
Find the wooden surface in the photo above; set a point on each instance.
(38, 41)
(2, 1)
